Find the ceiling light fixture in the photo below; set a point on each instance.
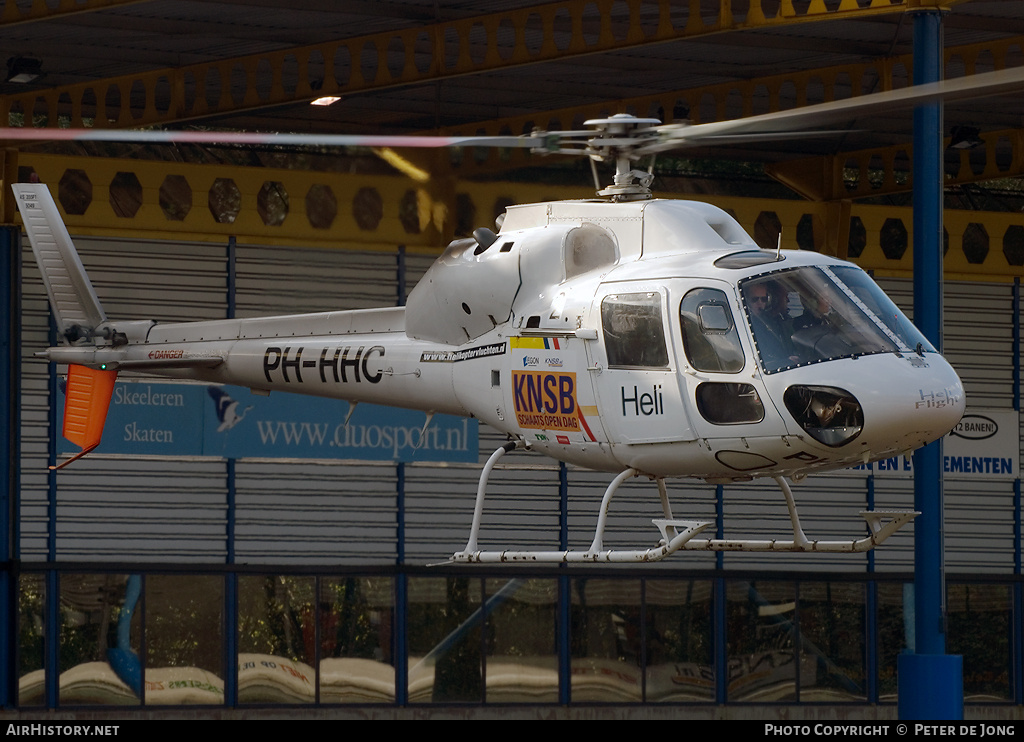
(23, 69)
(965, 137)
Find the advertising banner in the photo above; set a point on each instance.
(168, 419)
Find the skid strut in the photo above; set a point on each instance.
(675, 534)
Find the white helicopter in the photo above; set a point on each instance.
(626, 334)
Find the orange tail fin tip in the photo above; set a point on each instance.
(87, 400)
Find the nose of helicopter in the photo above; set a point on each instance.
(911, 401)
(880, 405)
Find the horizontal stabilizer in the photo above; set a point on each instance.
(76, 308)
(87, 400)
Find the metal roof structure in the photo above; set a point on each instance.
(429, 65)
(480, 67)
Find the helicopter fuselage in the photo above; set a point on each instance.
(652, 335)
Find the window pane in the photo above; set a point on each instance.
(184, 639)
(980, 630)
(832, 634)
(892, 635)
(807, 315)
(276, 639)
(881, 308)
(444, 640)
(634, 333)
(521, 663)
(605, 641)
(99, 639)
(31, 620)
(729, 404)
(709, 333)
(761, 641)
(356, 637)
(680, 664)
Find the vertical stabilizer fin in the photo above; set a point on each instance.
(86, 401)
(72, 297)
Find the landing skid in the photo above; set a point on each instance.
(881, 524)
(676, 535)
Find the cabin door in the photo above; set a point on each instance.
(634, 369)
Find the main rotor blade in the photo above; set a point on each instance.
(245, 137)
(781, 124)
(796, 120)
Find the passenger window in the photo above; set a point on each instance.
(709, 332)
(729, 404)
(634, 333)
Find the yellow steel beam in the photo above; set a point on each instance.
(887, 170)
(704, 104)
(502, 40)
(175, 201)
(172, 201)
(14, 12)
(813, 177)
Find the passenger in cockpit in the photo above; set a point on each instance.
(815, 331)
(816, 312)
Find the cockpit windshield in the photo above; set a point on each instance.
(807, 315)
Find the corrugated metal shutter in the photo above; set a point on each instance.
(304, 512)
(309, 512)
(979, 526)
(35, 411)
(978, 341)
(115, 508)
(978, 327)
(273, 280)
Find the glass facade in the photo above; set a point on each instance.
(129, 639)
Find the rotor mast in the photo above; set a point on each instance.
(621, 139)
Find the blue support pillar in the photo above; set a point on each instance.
(930, 681)
(1017, 672)
(564, 613)
(400, 626)
(400, 651)
(719, 641)
(231, 578)
(10, 300)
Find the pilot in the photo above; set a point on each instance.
(770, 328)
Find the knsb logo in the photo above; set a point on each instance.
(545, 400)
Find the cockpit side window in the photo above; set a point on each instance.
(634, 332)
(709, 332)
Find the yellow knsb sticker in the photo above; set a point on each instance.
(545, 400)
